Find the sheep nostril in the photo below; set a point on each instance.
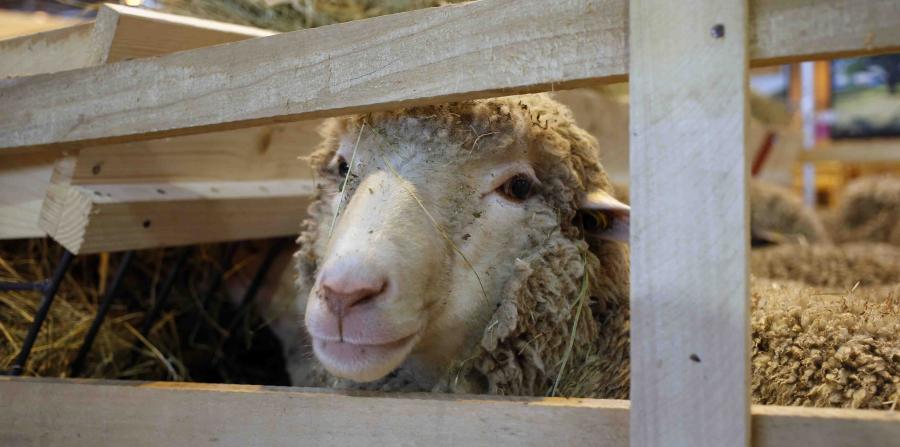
(340, 297)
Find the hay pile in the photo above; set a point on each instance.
(183, 344)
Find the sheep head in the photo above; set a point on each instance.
(422, 222)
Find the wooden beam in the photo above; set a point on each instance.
(860, 151)
(821, 427)
(152, 414)
(243, 184)
(260, 153)
(47, 52)
(121, 33)
(479, 49)
(23, 184)
(103, 413)
(786, 31)
(97, 218)
(139, 33)
(690, 361)
(484, 48)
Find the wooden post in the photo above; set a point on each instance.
(690, 308)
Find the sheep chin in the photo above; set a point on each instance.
(362, 363)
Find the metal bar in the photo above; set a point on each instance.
(214, 284)
(78, 364)
(259, 277)
(163, 295)
(261, 272)
(43, 310)
(23, 286)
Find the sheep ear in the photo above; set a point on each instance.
(604, 217)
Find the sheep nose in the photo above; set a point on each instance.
(341, 294)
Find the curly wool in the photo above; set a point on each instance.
(819, 348)
(521, 351)
(829, 265)
(522, 348)
(869, 210)
(777, 215)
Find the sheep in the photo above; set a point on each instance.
(777, 216)
(868, 210)
(842, 265)
(476, 247)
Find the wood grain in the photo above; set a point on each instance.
(110, 413)
(824, 427)
(152, 414)
(140, 33)
(260, 153)
(121, 33)
(479, 49)
(785, 31)
(484, 48)
(96, 218)
(689, 224)
(23, 184)
(46, 52)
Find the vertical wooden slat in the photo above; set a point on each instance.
(690, 307)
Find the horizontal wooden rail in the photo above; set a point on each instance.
(861, 151)
(97, 218)
(136, 414)
(123, 33)
(479, 49)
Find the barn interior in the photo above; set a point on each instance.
(823, 143)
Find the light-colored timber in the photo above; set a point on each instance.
(108, 413)
(690, 307)
(473, 50)
(122, 33)
(98, 218)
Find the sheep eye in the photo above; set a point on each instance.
(343, 167)
(593, 221)
(517, 188)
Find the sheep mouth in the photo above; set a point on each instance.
(361, 362)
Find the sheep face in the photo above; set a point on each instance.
(421, 217)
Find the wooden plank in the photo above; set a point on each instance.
(690, 311)
(862, 151)
(785, 31)
(824, 427)
(97, 218)
(152, 414)
(23, 184)
(50, 51)
(243, 184)
(479, 49)
(123, 33)
(262, 153)
(108, 413)
(118, 33)
(483, 48)
(140, 33)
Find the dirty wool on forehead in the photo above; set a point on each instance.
(441, 252)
